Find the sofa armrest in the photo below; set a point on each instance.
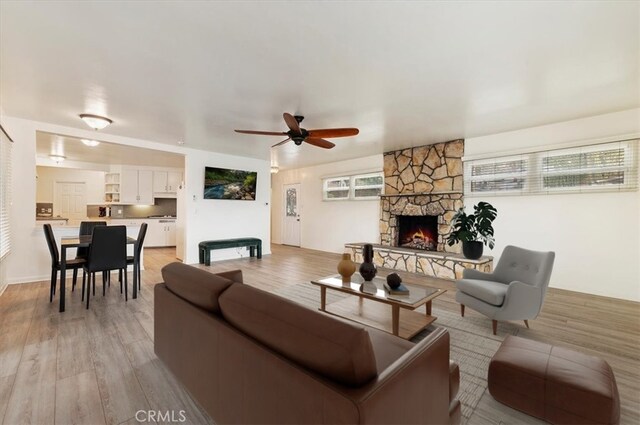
(476, 274)
(233, 275)
(522, 301)
(420, 378)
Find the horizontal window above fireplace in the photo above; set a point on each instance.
(609, 166)
(356, 187)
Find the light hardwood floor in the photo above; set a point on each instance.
(98, 366)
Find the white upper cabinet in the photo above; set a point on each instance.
(145, 187)
(174, 178)
(129, 186)
(136, 187)
(166, 182)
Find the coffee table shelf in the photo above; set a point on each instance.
(389, 313)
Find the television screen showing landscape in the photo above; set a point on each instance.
(222, 183)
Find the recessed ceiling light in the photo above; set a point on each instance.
(90, 143)
(57, 158)
(95, 121)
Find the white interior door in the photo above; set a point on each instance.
(291, 228)
(71, 200)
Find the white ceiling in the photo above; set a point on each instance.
(405, 73)
(104, 154)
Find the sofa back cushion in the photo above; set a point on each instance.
(335, 349)
(197, 286)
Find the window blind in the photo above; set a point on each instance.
(6, 146)
(360, 186)
(611, 166)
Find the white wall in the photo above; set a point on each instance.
(327, 225)
(596, 236)
(29, 259)
(48, 176)
(221, 219)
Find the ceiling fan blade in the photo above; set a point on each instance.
(333, 132)
(263, 133)
(292, 123)
(321, 143)
(282, 143)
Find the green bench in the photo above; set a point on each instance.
(254, 244)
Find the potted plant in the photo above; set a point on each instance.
(473, 229)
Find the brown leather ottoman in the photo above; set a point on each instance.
(555, 384)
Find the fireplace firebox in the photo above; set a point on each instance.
(418, 232)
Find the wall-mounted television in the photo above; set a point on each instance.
(223, 183)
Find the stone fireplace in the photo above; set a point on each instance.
(423, 191)
(422, 181)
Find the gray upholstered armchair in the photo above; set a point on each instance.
(514, 291)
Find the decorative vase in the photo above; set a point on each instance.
(472, 249)
(346, 268)
(367, 268)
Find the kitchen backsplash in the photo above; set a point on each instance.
(163, 206)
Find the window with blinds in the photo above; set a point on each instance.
(609, 166)
(6, 146)
(361, 186)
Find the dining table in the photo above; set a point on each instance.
(84, 241)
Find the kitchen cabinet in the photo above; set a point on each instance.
(166, 182)
(160, 233)
(136, 187)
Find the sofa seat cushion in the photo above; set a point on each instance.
(335, 349)
(485, 290)
(556, 384)
(197, 286)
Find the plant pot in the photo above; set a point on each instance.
(346, 268)
(472, 250)
(367, 268)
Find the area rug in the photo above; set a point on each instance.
(472, 342)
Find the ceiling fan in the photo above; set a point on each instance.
(299, 134)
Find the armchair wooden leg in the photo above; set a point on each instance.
(462, 309)
(526, 323)
(494, 324)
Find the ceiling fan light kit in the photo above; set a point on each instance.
(301, 135)
(96, 122)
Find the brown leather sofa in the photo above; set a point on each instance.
(248, 356)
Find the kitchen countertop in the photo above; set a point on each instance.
(51, 218)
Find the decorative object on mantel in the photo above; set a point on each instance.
(346, 268)
(473, 229)
(367, 268)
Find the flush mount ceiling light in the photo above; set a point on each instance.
(274, 169)
(90, 143)
(95, 121)
(57, 158)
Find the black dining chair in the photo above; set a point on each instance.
(86, 229)
(108, 251)
(137, 251)
(73, 264)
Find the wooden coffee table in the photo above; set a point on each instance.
(403, 320)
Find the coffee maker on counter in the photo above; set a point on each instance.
(104, 211)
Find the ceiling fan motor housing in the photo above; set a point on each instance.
(299, 138)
